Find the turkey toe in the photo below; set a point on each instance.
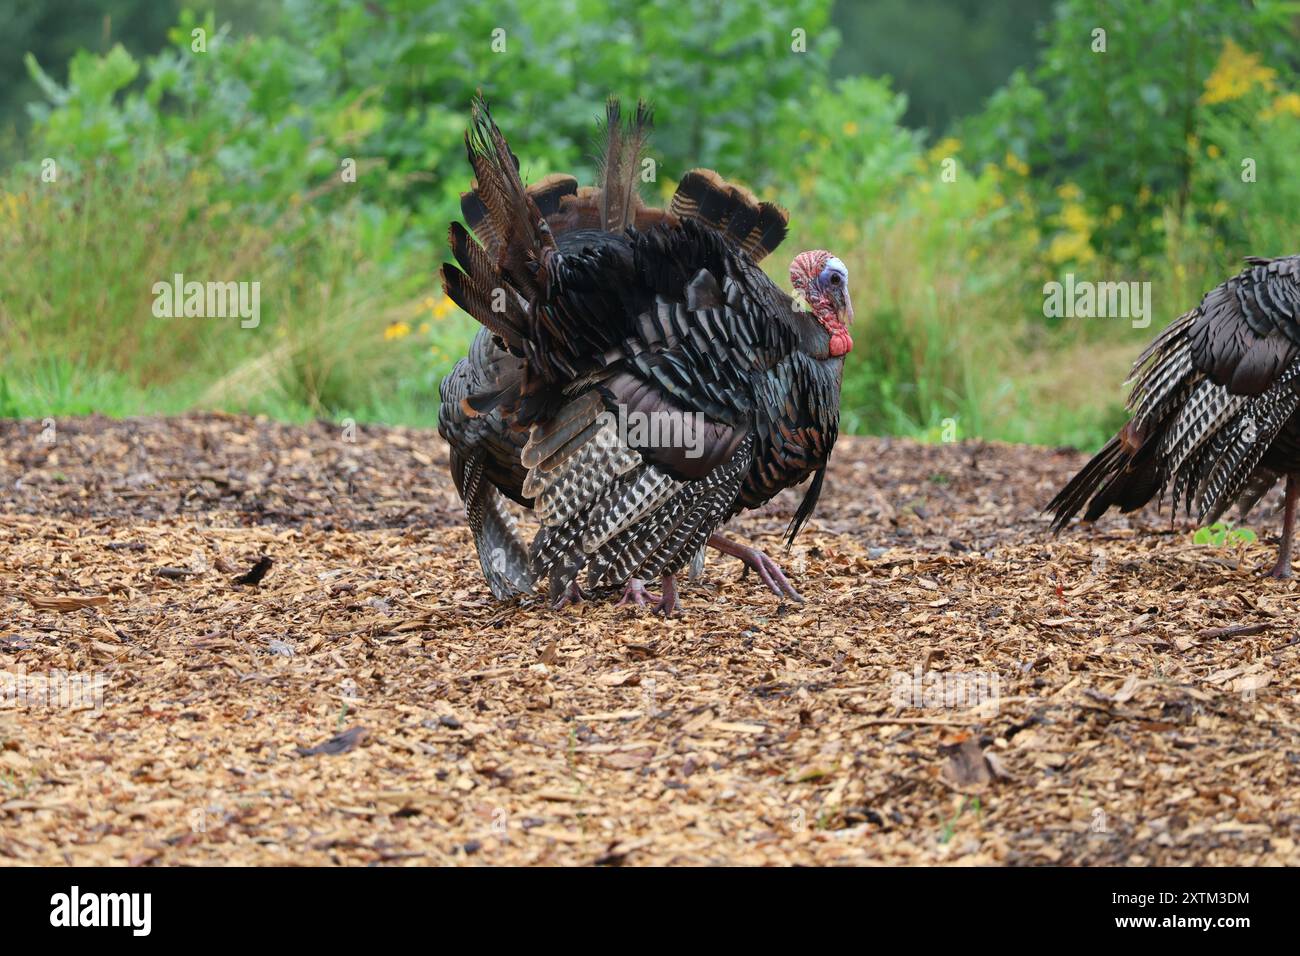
(636, 594)
(768, 571)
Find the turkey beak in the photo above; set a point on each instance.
(846, 311)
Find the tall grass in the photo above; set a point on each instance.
(78, 262)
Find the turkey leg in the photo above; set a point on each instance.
(1283, 567)
(769, 572)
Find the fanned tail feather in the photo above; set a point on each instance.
(477, 296)
(756, 227)
(620, 164)
(1112, 476)
(525, 241)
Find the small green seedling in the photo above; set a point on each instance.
(1221, 533)
(950, 828)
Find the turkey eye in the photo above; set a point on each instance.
(835, 278)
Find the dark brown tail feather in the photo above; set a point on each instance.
(806, 507)
(549, 194)
(1139, 482)
(620, 154)
(1070, 499)
(757, 228)
(525, 243)
(476, 296)
(474, 260)
(612, 205)
(1117, 476)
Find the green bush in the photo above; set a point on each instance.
(1118, 106)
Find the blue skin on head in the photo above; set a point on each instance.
(834, 267)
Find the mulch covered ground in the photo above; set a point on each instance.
(960, 687)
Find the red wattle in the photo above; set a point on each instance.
(841, 342)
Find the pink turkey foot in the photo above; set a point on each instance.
(769, 572)
(572, 595)
(636, 594)
(668, 603)
(1282, 569)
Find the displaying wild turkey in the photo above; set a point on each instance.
(1214, 410)
(586, 321)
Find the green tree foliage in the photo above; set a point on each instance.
(389, 83)
(947, 55)
(54, 32)
(1116, 107)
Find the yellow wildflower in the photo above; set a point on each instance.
(1213, 151)
(944, 149)
(850, 128)
(11, 203)
(1016, 164)
(1115, 213)
(1074, 242)
(442, 308)
(396, 330)
(1075, 218)
(425, 327)
(1069, 192)
(1236, 74)
(1287, 104)
(1070, 247)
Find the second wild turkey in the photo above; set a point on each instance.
(669, 316)
(1213, 408)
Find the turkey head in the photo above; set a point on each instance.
(822, 282)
